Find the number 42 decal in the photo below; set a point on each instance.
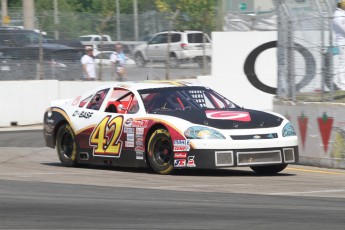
(105, 144)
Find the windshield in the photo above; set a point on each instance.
(183, 98)
(27, 38)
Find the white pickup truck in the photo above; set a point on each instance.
(94, 38)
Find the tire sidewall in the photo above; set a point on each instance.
(167, 168)
(68, 161)
(269, 170)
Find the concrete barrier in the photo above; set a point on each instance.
(24, 102)
(321, 131)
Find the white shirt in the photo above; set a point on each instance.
(339, 26)
(118, 57)
(90, 65)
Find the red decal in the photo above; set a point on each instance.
(182, 148)
(325, 127)
(140, 124)
(303, 125)
(180, 155)
(228, 115)
(76, 101)
(191, 162)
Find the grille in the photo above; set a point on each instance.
(289, 156)
(224, 158)
(261, 157)
(254, 136)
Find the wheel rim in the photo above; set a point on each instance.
(67, 145)
(162, 151)
(139, 60)
(173, 62)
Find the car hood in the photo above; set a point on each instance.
(228, 119)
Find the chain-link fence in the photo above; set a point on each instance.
(306, 50)
(42, 55)
(309, 62)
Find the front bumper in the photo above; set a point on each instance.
(219, 158)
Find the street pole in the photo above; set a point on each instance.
(135, 13)
(118, 24)
(56, 20)
(3, 12)
(29, 14)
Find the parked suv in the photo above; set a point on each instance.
(185, 46)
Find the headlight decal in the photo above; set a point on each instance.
(200, 132)
(288, 130)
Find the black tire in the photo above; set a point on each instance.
(174, 62)
(66, 146)
(207, 62)
(139, 60)
(160, 152)
(269, 169)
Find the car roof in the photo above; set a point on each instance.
(149, 84)
(181, 31)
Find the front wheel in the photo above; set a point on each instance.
(66, 146)
(139, 60)
(269, 169)
(160, 152)
(174, 61)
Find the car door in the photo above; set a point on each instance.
(157, 47)
(111, 135)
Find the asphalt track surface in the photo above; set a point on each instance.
(36, 192)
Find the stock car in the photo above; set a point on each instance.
(167, 126)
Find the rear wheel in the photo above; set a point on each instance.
(139, 60)
(270, 169)
(204, 63)
(160, 152)
(174, 61)
(66, 146)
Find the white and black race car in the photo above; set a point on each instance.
(167, 126)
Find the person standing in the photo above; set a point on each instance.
(118, 59)
(339, 39)
(88, 64)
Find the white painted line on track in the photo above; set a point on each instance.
(308, 192)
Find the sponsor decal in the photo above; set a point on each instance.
(179, 163)
(82, 114)
(249, 67)
(140, 124)
(228, 115)
(130, 137)
(181, 148)
(180, 155)
(190, 162)
(181, 145)
(129, 144)
(104, 145)
(128, 122)
(139, 143)
(140, 131)
(325, 127)
(139, 149)
(139, 155)
(128, 130)
(181, 142)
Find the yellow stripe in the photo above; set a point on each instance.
(315, 171)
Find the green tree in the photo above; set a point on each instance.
(194, 15)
